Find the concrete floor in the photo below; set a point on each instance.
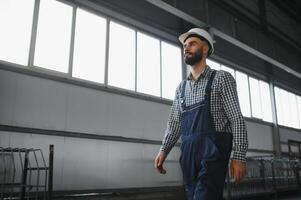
(168, 196)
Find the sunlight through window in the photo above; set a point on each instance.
(89, 47)
(16, 23)
(53, 36)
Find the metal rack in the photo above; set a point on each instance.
(24, 174)
(294, 145)
(266, 176)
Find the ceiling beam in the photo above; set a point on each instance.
(199, 23)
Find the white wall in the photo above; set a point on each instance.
(288, 134)
(259, 136)
(40, 103)
(96, 164)
(33, 102)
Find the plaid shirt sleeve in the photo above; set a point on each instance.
(232, 109)
(172, 132)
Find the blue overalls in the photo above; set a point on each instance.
(205, 152)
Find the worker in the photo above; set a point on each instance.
(207, 115)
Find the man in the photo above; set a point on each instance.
(207, 116)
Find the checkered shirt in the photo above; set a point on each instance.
(225, 110)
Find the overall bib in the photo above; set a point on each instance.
(205, 152)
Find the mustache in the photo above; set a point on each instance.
(193, 58)
(186, 53)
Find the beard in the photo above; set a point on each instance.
(195, 58)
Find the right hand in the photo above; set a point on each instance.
(159, 160)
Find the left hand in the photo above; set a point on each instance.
(238, 170)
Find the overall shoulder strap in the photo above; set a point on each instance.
(182, 98)
(183, 89)
(209, 84)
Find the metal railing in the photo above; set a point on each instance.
(266, 176)
(24, 174)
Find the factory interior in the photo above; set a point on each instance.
(87, 87)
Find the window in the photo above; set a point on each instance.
(213, 65)
(254, 95)
(243, 93)
(16, 23)
(293, 110)
(89, 47)
(299, 109)
(171, 69)
(148, 64)
(136, 61)
(286, 111)
(266, 105)
(255, 98)
(53, 36)
(260, 100)
(228, 69)
(288, 106)
(121, 57)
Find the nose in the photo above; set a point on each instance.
(186, 48)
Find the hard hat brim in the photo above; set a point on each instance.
(183, 37)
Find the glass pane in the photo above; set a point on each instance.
(228, 69)
(89, 47)
(279, 110)
(286, 113)
(266, 101)
(212, 64)
(121, 57)
(299, 110)
(171, 69)
(292, 105)
(16, 22)
(53, 36)
(243, 93)
(255, 98)
(148, 65)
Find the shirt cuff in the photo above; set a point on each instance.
(165, 150)
(239, 155)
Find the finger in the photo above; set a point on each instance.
(241, 175)
(159, 169)
(163, 171)
(232, 170)
(236, 174)
(160, 162)
(156, 162)
(244, 173)
(238, 177)
(158, 166)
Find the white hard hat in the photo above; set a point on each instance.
(200, 32)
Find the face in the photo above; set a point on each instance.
(194, 50)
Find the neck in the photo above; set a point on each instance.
(197, 69)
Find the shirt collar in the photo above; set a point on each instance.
(202, 75)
